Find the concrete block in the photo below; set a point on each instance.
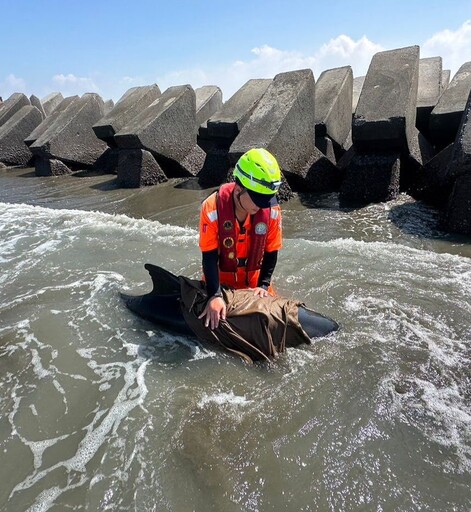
(345, 160)
(461, 157)
(282, 122)
(318, 174)
(445, 118)
(192, 163)
(129, 106)
(36, 102)
(345, 147)
(13, 150)
(334, 96)
(386, 110)
(51, 101)
(225, 124)
(285, 192)
(107, 163)
(458, 213)
(186, 167)
(429, 90)
(12, 105)
(430, 79)
(71, 138)
(167, 128)
(358, 82)
(215, 169)
(50, 119)
(371, 179)
(445, 79)
(208, 102)
(108, 107)
(431, 183)
(206, 143)
(326, 146)
(138, 168)
(50, 167)
(419, 152)
(419, 149)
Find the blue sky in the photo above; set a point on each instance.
(109, 46)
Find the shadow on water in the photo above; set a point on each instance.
(192, 184)
(169, 351)
(112, 184)
(411, 217)
(423, 221)
(323, 201)
(29, 174)
(88, 173)
(106, 186)
(162, 346)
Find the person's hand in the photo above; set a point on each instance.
(214, 311)
(260, 292)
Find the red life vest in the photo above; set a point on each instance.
(228, 261)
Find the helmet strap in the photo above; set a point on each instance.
(243, 191)
(237, 196)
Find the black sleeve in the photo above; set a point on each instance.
(211, 271)
(268, 266)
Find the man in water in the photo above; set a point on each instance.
(240, 232)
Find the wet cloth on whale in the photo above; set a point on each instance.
(255, 329)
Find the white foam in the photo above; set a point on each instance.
(104, 423)
(38, 448)
(45, 247)
(70, 221)
(45, 500)
(442, 414)
(223, 399)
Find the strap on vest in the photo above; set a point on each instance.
(228, 261)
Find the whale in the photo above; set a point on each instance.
(162, 307)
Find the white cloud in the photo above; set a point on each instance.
(194, 76)
(12, 84)
(132, 81)
(344, 51)
(453, 46)
(266, 62)
(71, 84)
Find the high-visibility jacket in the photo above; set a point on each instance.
(211, 238)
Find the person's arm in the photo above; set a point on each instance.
(266, 271)
(211, 272)
(273, 245)
(215, 309)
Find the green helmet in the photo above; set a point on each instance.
(259, 172)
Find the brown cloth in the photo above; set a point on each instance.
(255, 329)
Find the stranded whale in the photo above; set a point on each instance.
(172, 298)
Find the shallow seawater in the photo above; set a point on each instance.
(101, 410)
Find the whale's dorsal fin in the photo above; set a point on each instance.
(163, 281)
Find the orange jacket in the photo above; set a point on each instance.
(209, 240)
